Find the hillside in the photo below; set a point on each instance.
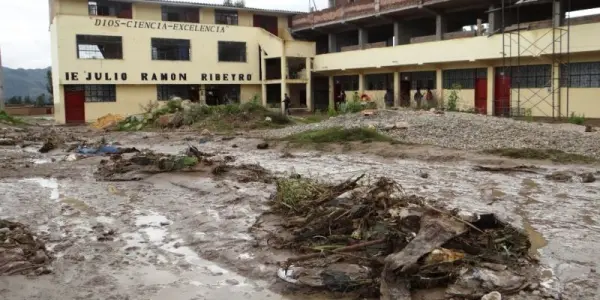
(24, 82)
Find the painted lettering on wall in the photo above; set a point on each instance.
(157, 25)
(158, 77)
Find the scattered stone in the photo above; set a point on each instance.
(536, 293)
(268, 119)
(492, 296)
(589, 128)
(20, 251)
(163, 223)
(7, 142)
(205, 132)
(232, 281)
(424, 175)
(228, 138)
(401, 125)
(234, 146)
(262, 146)
(559, 176)
(587, 177)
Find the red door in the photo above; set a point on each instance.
(481, 95)
(74, 105)
(502, 96)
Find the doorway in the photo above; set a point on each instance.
(405, 87)
(481, 96)
(502, 95)
(74, 104)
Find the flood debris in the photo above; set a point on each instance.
(141, 165)
(506, 169)
(390, 243)
(560, 176)
(587, 177)
(243, 173)
(7, 142)
(21, 252)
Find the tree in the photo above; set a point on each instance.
(14, 100)
(228, 2)
(27, 100)
(40, 100)
(49, 86)
(239, 3)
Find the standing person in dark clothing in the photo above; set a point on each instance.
(389, 98)
(286, 104)
(342, 98)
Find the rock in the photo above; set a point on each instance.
(232, 281)
(536, 293)
(7, 142)
(205, 132)
(388, 127)
(262, 146)
(492, 296)
(234, 146)
(165, 120)
(4, 230)
(477, 282)
(587, 177)
(589, 128)
(424, 175)
(186, 105)
(559, 176)
(401, 125)
(40, 257)
(268, 119)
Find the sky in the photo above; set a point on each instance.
(25, 35)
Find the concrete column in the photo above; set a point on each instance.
(401, 34)
(396, 89)
(440, 27)
(263, 67)
(331, 91)
(363, 38)
(491, 78)
(494, 19)
(332, 42)
(284, 72)
(439, 86)
(309, 101)
(361, 83)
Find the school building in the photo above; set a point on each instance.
(496, 57)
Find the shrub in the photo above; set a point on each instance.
(351, 107)
(453, 97)
(576, 119)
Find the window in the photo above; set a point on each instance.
(581, 75)
(464, 77)
(99, 47)
(113, 9)
(379, 82)
(100, 93)
(166, 92)
(533, 76)
(226, 17)
(180, 14)
(170, 49)
(422, 80)
(347, 82)
(232, 51)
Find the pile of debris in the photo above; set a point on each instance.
(20, 251)
(141, 165)
(377, 241)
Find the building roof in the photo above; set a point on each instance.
(218, 6)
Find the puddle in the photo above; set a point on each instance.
(79, 205)
(536, 238)
(51, 184)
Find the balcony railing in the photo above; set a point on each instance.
(358, 8)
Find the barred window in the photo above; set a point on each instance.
(421, 79)
(170, 49)
(99, 47)
(533, 76)
(165, 92)
(379, 82)
(180, 14)
(100, 93)
(581, 75)
(226, 17)
(464, 77)
(232, 51)
(112, 9)
(347, 82)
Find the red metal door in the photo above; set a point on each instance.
(74, 105)
(502, 96)
(481, 95)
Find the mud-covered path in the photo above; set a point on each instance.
(185, 236)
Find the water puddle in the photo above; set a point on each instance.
(79, 205)
(49, 183)
(536, 238)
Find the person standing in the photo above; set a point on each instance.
(418, 97)
(286, 104)
(429, 97)
(389, 98)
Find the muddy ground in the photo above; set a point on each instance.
(187, 235)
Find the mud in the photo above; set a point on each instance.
(185, 236)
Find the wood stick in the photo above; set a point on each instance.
(453, 217)
(344, 249)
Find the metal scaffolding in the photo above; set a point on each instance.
(528, 95)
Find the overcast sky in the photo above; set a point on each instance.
(25, 35)
(25, 38)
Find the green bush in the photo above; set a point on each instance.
(453, 98)
(576, 119)
(351, 107)
(8, 119)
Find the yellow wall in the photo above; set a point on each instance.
(466, 98)
(248, 91)
(245, 18)
(581, 102)
(300, 49)
(207, 16)
(283, 32)
(130, 98)
(457, 50)
(72, 7)
(147, 11)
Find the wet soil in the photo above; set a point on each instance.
(186, 235)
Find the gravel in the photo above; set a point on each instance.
(464, 131)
